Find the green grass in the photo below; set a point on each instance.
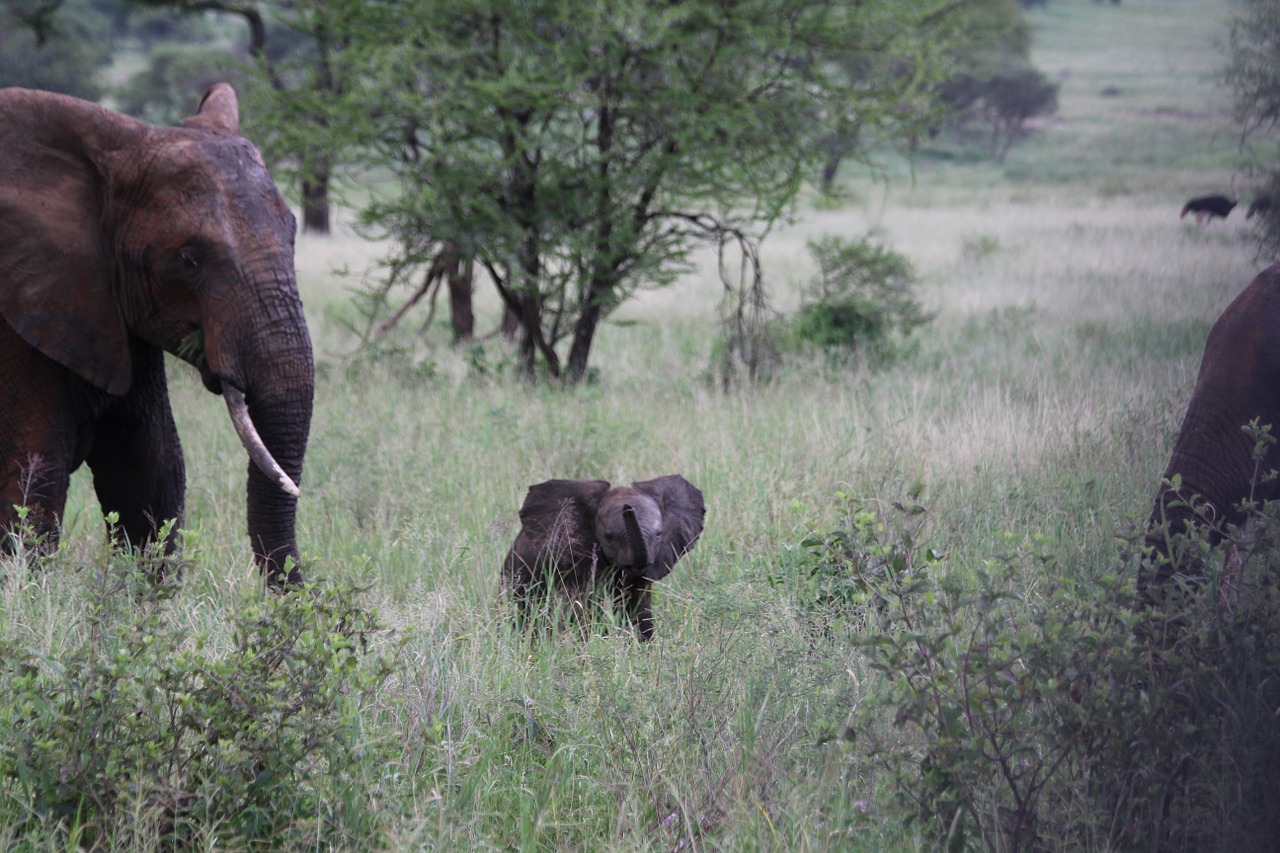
(1071, 308)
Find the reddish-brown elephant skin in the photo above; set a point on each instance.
(1239, 381)
(576, 534)
(120, 241)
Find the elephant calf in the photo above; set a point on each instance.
(1239, 381)
(577, 534)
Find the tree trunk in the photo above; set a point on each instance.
(510, 323)
(315, 201)
(460, 274)
(583, 334)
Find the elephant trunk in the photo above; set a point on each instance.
(274, 378)
(635, 536)
(283, 423)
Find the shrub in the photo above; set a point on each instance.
(142, 734)
(1070, 716)
(837, 577)
(861, 302)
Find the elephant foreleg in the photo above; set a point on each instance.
(637, 596)
(136, 459)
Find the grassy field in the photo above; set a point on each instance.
(1071, 306)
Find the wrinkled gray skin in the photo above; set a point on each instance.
(576, 534)
(120, 241)
(1239, 380)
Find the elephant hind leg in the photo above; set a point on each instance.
(33, 492)
(38, 440)
(526, 590)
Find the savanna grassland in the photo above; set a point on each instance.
(1070, 308)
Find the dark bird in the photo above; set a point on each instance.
(1261, 204)
(1206, 207)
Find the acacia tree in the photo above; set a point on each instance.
(579, 149)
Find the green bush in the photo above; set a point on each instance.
(837, 577)
(1019, 705)
(143, 734)
(862, 302)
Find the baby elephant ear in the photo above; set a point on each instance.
(557, 521)
(682, 514)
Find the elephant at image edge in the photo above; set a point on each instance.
(120, 241)
(578, 533)
(1239, 380)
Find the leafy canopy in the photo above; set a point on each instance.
(579, 150)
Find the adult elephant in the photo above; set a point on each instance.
(1213, 456)
(120, 241)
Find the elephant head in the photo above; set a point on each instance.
(577, 533)
(118, 241)
(1212, 458)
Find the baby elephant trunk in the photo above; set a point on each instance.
(639, 553)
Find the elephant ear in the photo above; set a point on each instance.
(56, 267)
(557, 523)
(219, 110)
(682, 515)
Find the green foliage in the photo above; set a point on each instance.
(862, 302)
(1004, 99)
(1253, 69)
(41, 48)
(1017, 709)
(1042, 398)
(579, 169)
(175, 77)
(142, 732)
(978, 247)
(836, 576)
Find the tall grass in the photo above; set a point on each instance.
(1071, 307)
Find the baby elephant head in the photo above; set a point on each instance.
(578, 533)
(629, 527)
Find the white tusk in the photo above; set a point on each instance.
(253, 442)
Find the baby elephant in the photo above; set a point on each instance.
(576, 534)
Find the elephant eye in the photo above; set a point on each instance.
(189, 258)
